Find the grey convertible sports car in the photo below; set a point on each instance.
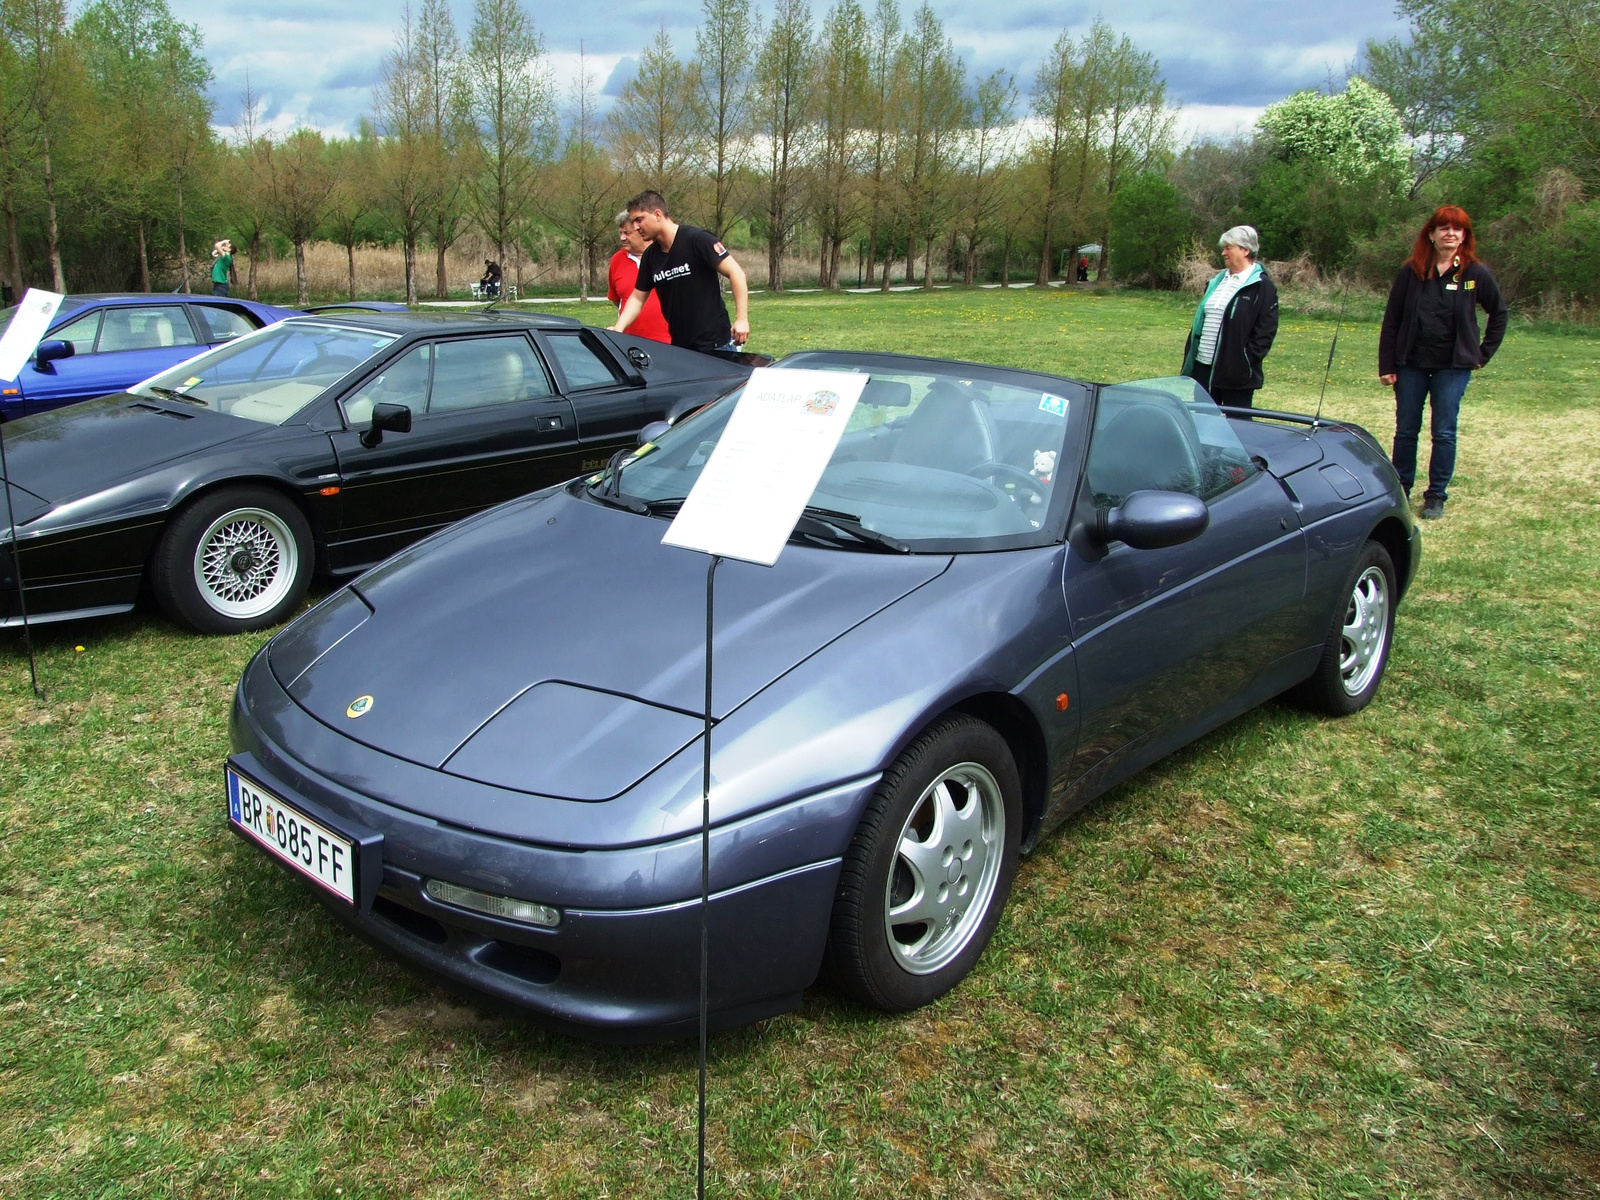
(1010, 592)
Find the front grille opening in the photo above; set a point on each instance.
(413, 922)
(524, 962)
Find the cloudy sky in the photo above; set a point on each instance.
(314, 62)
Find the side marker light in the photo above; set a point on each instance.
(1061, 702)
(328, 491)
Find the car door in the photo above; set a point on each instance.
(1167, 639)
(611, 405)
(220, 322)
(487, 425)
(114, 347)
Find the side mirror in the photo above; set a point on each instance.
(653, 430)
(1151, 520)
(396, 418)
(52, 349)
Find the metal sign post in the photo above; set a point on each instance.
(745, 504)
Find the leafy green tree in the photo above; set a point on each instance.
(932, 114)
(447, 131)
(49, 74)
(1356, 134)
(724, 49)
(581, 188)
(301, 175)
(987, 143)
(1150, 231)
(839, 93)
(513, 106)
(405, 167)
(782, 108)
(652, 126)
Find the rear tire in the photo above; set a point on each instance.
(234, 560)
(930, 869)
(1357, 648)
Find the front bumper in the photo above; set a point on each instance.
(623, 963)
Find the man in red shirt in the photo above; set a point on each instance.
(623, 275)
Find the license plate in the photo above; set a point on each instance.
(308, 846)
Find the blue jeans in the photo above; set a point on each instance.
(218, 289)
(1411, 390)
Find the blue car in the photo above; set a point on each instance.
(102, 344)
(1010, 592)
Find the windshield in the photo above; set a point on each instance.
(272, 374)
(928, 457)
(67, 306)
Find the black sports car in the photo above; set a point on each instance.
(1010, 592)
(322, 442)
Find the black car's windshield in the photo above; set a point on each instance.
(928, 456)
(270, 375)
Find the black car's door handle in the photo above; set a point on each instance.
(545, 424)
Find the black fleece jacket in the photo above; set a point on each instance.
(1475, 288)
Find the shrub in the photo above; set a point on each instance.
(1149, 231)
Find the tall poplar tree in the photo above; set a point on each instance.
(513, 107)
(652, 124)
(724, 47)
(783, 112)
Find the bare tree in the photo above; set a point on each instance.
(652, 124)
(582, 187)
(301, 177)
(783, 113)
(933, 112)
(447, 121)
(882, 58)
(38, 29)
(354, 196)
(987, 147)
(839, 93)
(1055, 104)
(724, 46)
(405, 165)
(514, 110)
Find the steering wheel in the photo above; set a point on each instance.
(999, 470)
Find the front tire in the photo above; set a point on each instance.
(930, 869)
(234, 560)
(1357, 649)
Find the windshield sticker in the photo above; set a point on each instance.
(189, 383)
(1053, 404)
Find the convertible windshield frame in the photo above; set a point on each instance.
(971, 473)
(273, 390)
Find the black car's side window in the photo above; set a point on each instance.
(404, 381)
(1149, 437)
(581, 364)
(222, 324)
(81, 333)
(144, 329)
(474, 372)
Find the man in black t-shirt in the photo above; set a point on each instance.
(681, 265)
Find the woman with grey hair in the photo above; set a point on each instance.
(1234, 323)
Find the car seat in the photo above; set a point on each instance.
(950, 429)
(1145, 447)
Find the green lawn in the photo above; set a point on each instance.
(1299, 958)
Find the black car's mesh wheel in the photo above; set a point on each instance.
(929, 871)
(233, 560)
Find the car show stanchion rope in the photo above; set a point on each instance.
(705, 880)
(16, 569)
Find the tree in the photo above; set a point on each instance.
(353, 201)
(300, 177)
(1055, 104)
(783, 113)
(1137, 130)
(724, 46)
(447, 131)
(987, 144)
(1149, 231)
(514, 109)
(839, 93)
(405, 164)
(1356, 134)
(38, 29)
(882, 60)
(581, 191)
(652, 123)
(932, 112)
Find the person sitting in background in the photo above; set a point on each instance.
(1234, 323)
(490, 283)
(624, 274)
(1429, 347)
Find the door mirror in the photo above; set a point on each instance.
(653, 430)
(52, 349)
(1151, 520)
(396, 418)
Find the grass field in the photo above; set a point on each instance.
(1299, 958)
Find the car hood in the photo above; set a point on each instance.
(84, 447)
(556, 646)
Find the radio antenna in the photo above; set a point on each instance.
(16, 569)
(1328, 370)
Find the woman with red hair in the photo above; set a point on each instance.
(1430, 345)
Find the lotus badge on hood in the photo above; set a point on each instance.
(359, 707)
